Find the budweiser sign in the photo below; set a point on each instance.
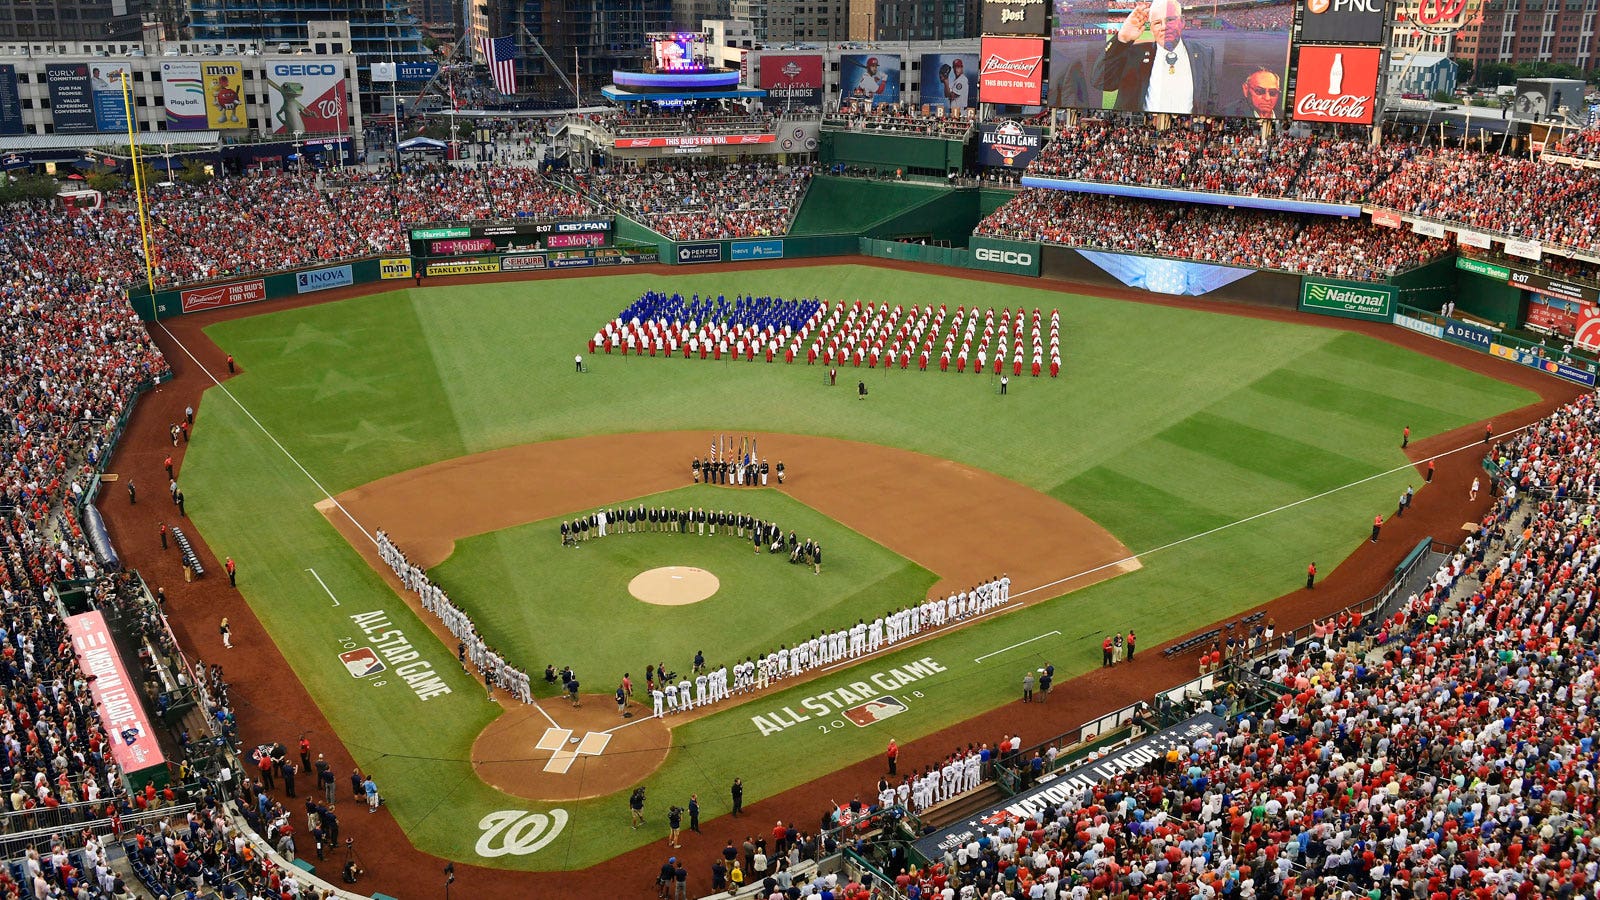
(1343, 108)
(1012, 71)
(995, 65)
(1337, 84)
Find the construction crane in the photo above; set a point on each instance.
(577, 101)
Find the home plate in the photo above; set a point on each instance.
(552, 739)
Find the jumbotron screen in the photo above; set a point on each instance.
(678, 52)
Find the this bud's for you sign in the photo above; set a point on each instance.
(1337, 84)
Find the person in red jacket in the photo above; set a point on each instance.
(1311, 576)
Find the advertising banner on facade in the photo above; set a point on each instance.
(405, 72)
(71, 97)
(116, 696)
(872, 78)
(695, 140)
(222, 86)
(1008, 144)
(1479, 267)
(792, 79)
(1012, 71)
(305, 95)
(110, 104)
(10, 102)
(765, 249)
(323, 279)
(1337, 84)
(948, 80)
(1031, 17)
(699, 253)
(394, 268)
(183, 97)
(1342, 21)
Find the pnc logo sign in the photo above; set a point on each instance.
(1318, 7)
(1007, 257)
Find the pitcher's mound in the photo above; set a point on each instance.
(673, 585)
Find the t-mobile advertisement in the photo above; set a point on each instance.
(563, 241)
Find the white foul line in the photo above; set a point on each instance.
(324, 585)
(303, 470)
(1016, 645)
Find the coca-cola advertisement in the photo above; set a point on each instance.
(1337, 84)
(1011, 71)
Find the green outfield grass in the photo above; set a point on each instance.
(519, 586)
(1166, 423)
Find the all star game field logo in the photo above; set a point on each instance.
(875, 711)
(361, 662)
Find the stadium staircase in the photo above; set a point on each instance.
(964, 806)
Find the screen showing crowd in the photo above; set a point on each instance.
(1168, 57)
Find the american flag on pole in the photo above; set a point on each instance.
(499, 54)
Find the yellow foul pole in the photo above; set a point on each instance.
(138, 190)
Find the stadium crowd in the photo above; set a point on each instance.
(1316, 245)
(1444, 751)
(900, 118)
(704, 202)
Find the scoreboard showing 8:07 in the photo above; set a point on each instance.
(518, 237)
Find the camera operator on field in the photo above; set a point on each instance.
(636, 806)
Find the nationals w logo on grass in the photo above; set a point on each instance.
(362, 662)
(874, 711)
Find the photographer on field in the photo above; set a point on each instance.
(636, 806)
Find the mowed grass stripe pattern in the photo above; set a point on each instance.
(1136, 434)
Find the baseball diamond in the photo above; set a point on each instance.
(1183, 505)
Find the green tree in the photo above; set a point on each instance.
(1465, 68)
(194, 172)
(27, 187)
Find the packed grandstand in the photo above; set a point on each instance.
(1444, 751)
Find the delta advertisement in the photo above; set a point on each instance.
(71, 97)
(948, 79)
(1337, 84)
(184, 99)
(1012, 71)
(792, 79)
(1008, 144)
(115, 695)
(10, 102)
(1162, 57)
(1029, 17)
(110, 105)
(305, 95)
(870, 78)
(1343, 21)
(221, 83)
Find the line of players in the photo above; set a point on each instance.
(675, 694)
(491, 666)
(760, 533)
(722, 471)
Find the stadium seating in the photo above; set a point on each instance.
(704, 202)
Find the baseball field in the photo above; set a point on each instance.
(1184, 467)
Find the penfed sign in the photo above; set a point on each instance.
(1350, 299)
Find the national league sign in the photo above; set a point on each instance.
(1012, 71)
(1337, 84)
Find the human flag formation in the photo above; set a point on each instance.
(499, 54)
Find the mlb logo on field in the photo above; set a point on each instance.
(362, 662)
(874, 711)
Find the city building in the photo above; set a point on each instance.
(912, 20)
(70, 20)
(789, 21)
(378, 29)
(182, 93)
(1517, 31)
(585, 39)
(690, 15)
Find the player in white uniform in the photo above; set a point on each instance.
(660, 700)
(955, 86)
(872, 85)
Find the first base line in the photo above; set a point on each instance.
(1015, 646)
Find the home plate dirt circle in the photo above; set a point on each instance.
(673, 585)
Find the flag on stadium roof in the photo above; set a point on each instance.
(499, 54)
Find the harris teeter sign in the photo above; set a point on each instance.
(1350, 299)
